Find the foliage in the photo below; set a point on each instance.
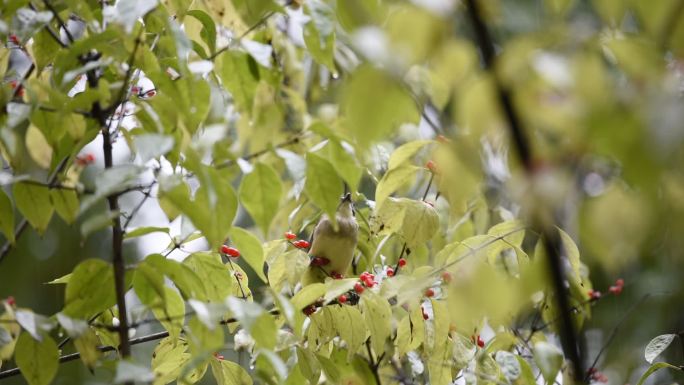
(243, 119)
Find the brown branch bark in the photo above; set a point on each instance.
(550, 236)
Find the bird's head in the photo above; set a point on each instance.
(346, 206)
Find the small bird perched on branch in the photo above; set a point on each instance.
(332, 251)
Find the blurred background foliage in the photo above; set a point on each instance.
(599, 85)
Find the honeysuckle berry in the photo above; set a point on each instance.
(430, 165)
(336, 275)
(615, 290)
(358, 288)
(230, 251)
(290, 235)
(446, 277)
(402, 262)
(11, 301)
(480, 341)
(301, 244)
(390, 272)
(429, 293)
(620, 282)
(594, 294)
(319, 261)
(342, 299)
(14, 39)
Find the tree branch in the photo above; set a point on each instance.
(550, 236)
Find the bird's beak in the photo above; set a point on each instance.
(347, 197)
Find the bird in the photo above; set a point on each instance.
(332, 250)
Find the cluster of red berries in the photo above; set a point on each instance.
(617, 288)
(614, 289)
(84, 160)
(597, 376)
(367, 279)
(137, 91)
(230, 251)
(15, 85)
(478, 340)
(300, 243)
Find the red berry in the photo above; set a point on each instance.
(230, 251)
(390, 272)
(616, 290)
(429, 293)
(13, 84)
(402, 262)
(301, 244)
(480, 342)
(446, 277)
(358, 288)
(431, 166)
(319, 261)
(336, 275)
(342, 299)
(594, 294)
(290, 235)
(90, 158)
(620, 282)
(14, 39)
(364, 275)
(10, 301)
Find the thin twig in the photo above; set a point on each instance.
(59, 20)
(550, 236)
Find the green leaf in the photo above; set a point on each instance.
(168, 359)
(655, 367)
(260, 193)
(240, 75)
(148, 284)
(185, 279)
(216, 278)
(319, 33)
(45, 48)
(405, 152)
(214, 205)
(287, 269)
(229, 373)
(140, 231)
(90, 289)
(208, 32)
(66, 204)
(172, 314)
(393, 180)
(250, 249)
(33, 203)
(6, 217)
(657, 346)
(86, 345)
(415, 221)
(375, 104)
(323, 185)
(38, 361)
(549, 359)
(344, 160)
(378, 315)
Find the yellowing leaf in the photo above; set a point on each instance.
(229, 373)
(34, 203)
(260, 193)
(38, 147)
